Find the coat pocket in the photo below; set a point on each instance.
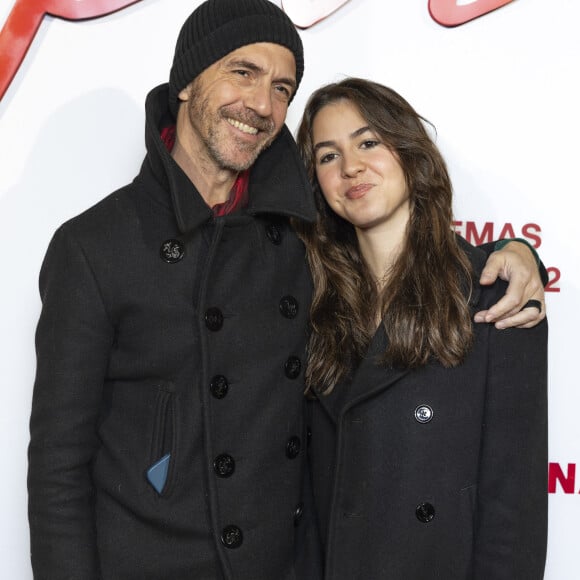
(468, 506)
(160, 472)
(137, 427)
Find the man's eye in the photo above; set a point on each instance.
(242, 73)
(283, 90)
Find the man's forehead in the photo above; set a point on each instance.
(262, 54)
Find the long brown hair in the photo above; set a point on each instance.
(424, 306)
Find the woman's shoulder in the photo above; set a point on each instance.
(481, 296)
(477, 256)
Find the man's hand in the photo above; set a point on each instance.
(516, 264)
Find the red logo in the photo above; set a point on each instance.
(24, 20)
(456, 12)
(558, 480)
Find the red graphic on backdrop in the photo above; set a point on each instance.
(26, 16)
(456, 12)
(24, 20)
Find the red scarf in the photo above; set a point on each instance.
(239, 193)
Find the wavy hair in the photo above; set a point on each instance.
(424, 305)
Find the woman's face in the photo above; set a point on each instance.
(360, 177)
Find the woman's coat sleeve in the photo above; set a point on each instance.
(511, 524)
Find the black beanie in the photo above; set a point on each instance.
(218, 27)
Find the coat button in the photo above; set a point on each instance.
(289, 306)
(232, 537)
(425, 512)
(298, 512)
(423, 414)
(172, 251)
(292, 367)
(219, 386)
(224, 465)
(214, 319)
(293, 447)
(273, 234)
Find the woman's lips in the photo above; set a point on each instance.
(357, 190)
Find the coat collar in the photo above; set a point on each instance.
(278, 180)
(371, 378)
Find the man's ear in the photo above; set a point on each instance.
(185, 93)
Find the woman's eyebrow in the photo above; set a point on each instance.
(353, 135)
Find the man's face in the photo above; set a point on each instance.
(237, 106)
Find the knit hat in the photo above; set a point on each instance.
(218, 27)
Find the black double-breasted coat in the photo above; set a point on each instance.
(168, 334)
(437, 474)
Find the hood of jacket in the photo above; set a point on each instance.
(278, 180)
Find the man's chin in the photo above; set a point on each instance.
(244, 159)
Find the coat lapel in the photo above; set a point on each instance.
(369, 379)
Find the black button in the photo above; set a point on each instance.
(423, 414)
(214, 319)
(172, 251)
(292, 367)
(298, 512)
(308, 436)
(289, 306)
(273, 234)
(425, 512)
(219, 386)
(224, 465)
(232, 537)
(293, 447)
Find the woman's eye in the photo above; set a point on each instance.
(327, 158)
(369, 144)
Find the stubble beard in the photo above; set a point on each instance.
(222, 149)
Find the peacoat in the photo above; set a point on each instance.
(168, 422)
(435, 473)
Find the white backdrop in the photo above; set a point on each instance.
(502, 91)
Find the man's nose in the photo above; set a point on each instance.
(259, 99)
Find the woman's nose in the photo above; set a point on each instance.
(351, 164)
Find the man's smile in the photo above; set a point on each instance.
(242, 126)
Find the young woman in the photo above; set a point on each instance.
(429, 433)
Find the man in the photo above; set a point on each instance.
(167, 432)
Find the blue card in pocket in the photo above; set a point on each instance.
(157, 473)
